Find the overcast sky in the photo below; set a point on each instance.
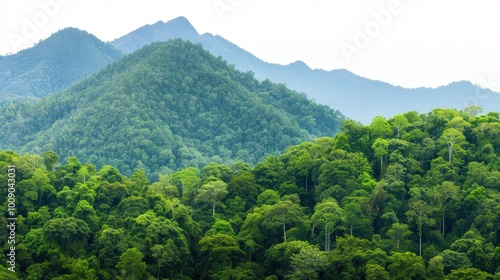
(407, 43)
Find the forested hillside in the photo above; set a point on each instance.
(165, 107)
(411, 197)
(53, 64)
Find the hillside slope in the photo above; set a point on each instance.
(166, 106)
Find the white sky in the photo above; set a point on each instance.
(422, 43)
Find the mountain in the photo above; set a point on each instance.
(176, 28)
(164, 107)
(356, 97)
(53, 64)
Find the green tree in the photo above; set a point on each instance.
(453, 140)
(110, 245)
(436, 268)
(80, 270)
(468, 274)
(454, 260)
(86, 213)
(328, 215)
(268, 197)
(399, 122)
(398, 232)
(380, 128)
(355, 217)
(376, 272)
(212, 192)
(186, 179)
(380, 147)
(443, 197)
(131, 265)
(308, 263)
(50, 159)
(279, 256)
(283, 213)
(473, 110)
(218, 252)
(419, 214)
(69, 234)
(406, 266)
(167, 254)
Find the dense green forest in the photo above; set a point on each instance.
(165, 107)
(411, 197)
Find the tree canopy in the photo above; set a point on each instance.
(325, 209)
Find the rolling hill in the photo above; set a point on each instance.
(164, 107)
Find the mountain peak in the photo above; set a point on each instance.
(299, 64)
(180, 20)
(178, 27)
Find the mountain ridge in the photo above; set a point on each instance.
(355, 96)
(53, 64)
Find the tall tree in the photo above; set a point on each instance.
(381, 149)
(131, 265)
(398, 232)
(212, 192)
(283, 213)
(443, 197)
(307, 263)
(327, 214)
(419, 214)
(406, 266)
(453, 140)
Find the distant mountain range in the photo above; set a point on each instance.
(70, 55)
(356, 97)
(53, 64)
(164, 107)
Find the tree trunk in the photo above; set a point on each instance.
(326, 241)
(450, 150)
(420, 233)
(420, 245)
(158, 277)
(381, 166)
(284, 232)
(213, 211)
(351, 230)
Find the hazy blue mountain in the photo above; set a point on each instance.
(53, 64)
(356, 97)
(168, 105)
(160, 31)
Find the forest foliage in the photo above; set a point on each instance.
(167, 106)
(411, 197)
